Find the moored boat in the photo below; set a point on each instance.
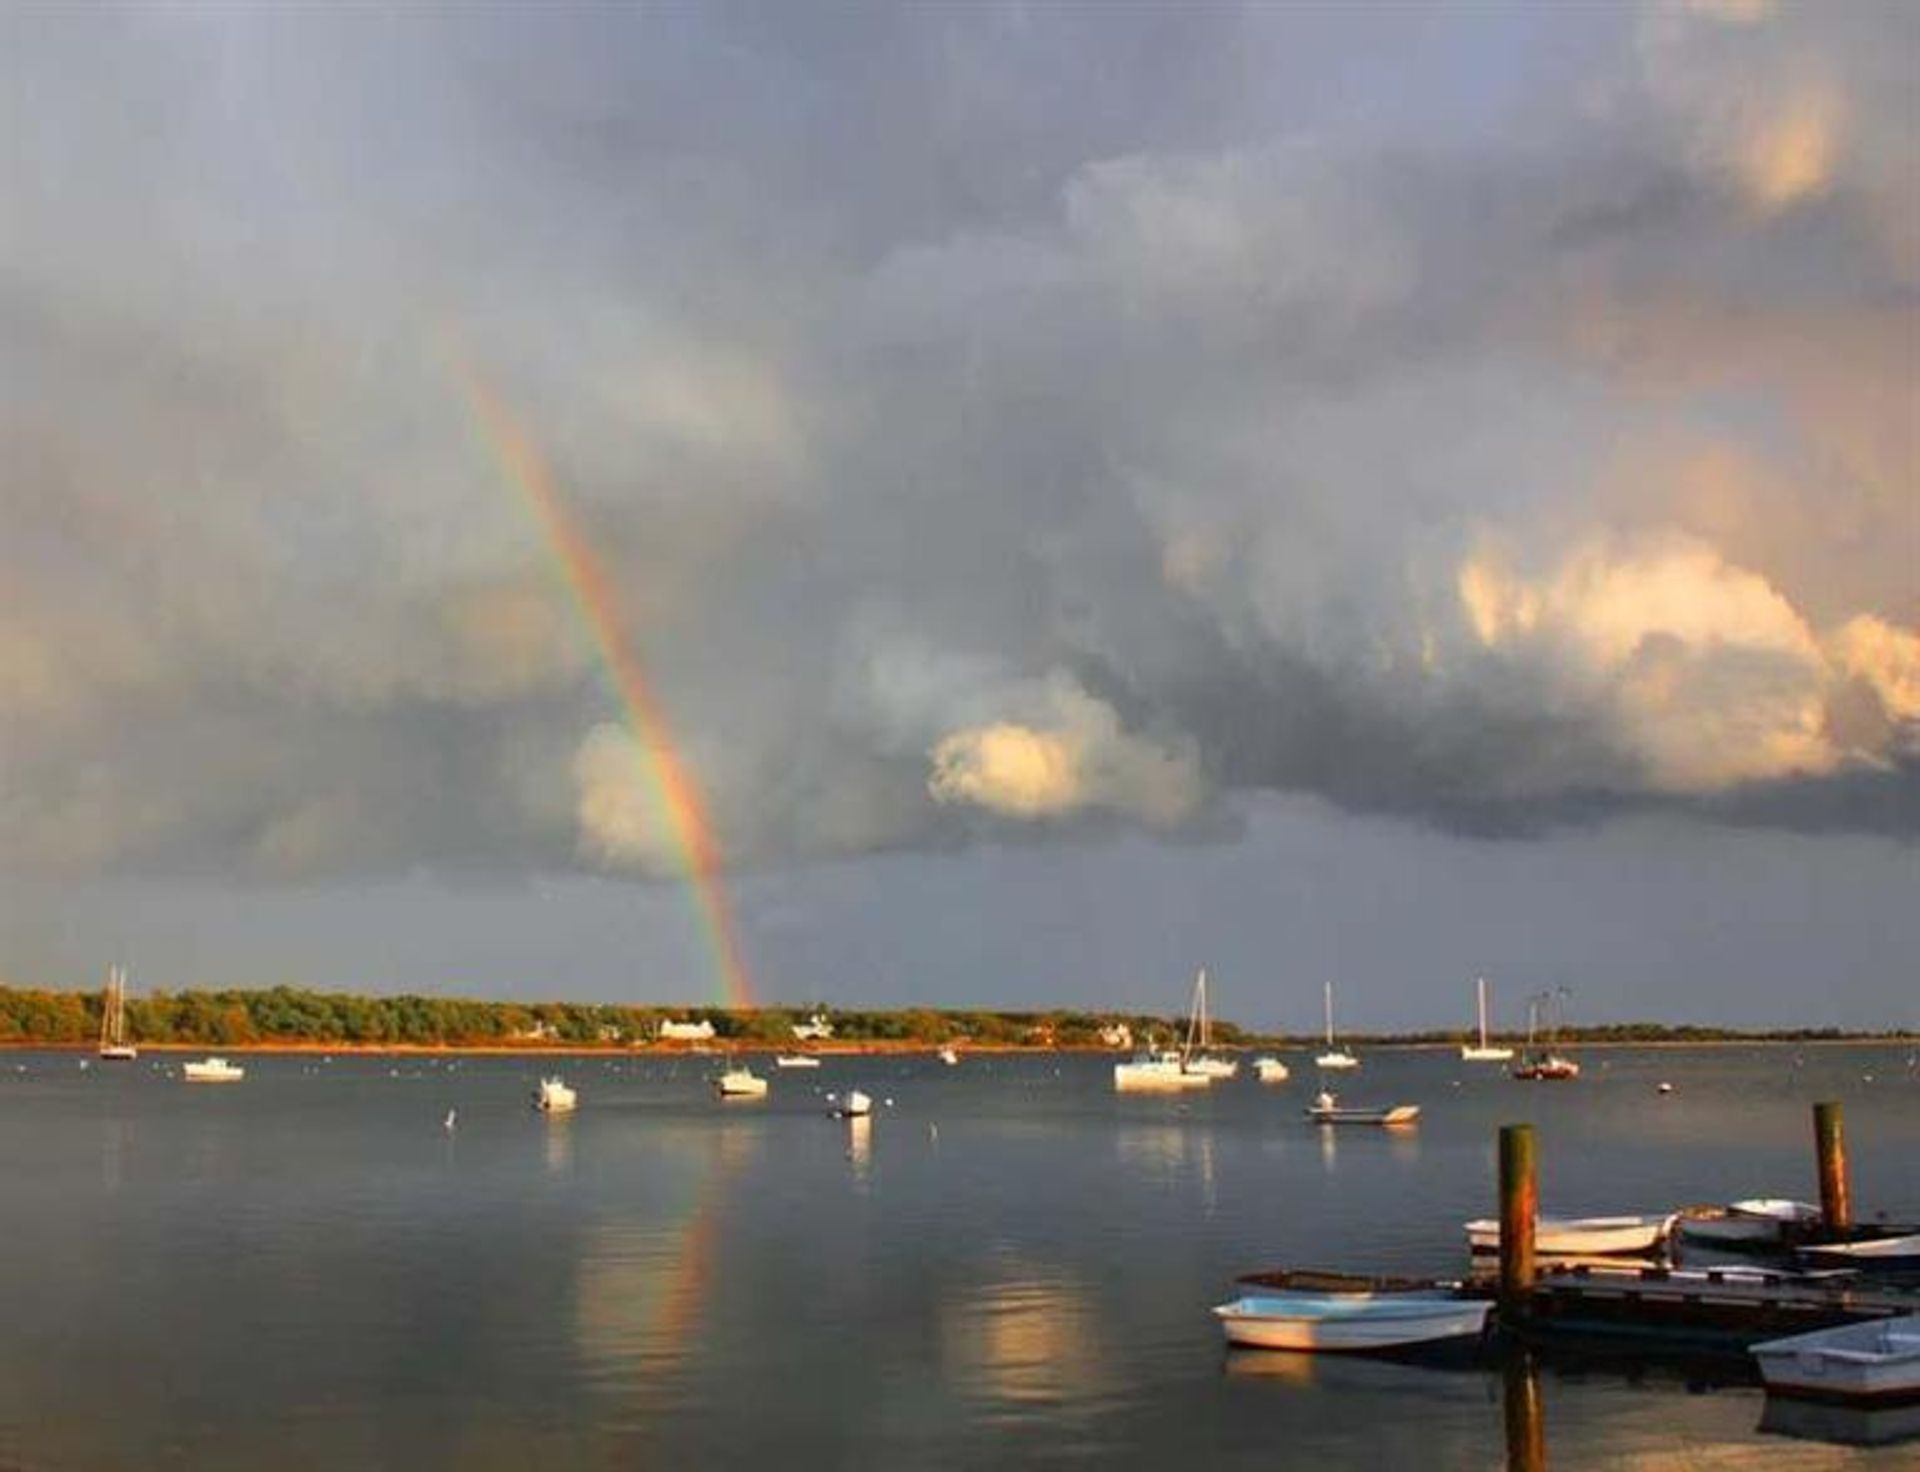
(1546, 1064)
(1483, 1051)
(553, 1096)
(795, 1060)
(114, 1046)
(1887, 1253)
(1161, 1071)
(1579, 1236)
(1349, 1323)
(1873, 1363)
(1751, 1224)
(1335, 1057)
(857, 1105)
(1270, 1070)
(1327, 1109)
(212, 1071)
(948, 1056)
(740, 1082)
(1197, 1057)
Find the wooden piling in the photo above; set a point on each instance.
(1830, 1147)
(1519, 1203)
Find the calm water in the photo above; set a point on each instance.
(1012, 1265)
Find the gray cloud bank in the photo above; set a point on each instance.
(996, 423)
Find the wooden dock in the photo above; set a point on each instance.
(1706, 1308)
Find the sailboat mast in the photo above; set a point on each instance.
(1482, 988)
(1329, 998)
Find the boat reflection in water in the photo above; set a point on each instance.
(860, 1145)
(1808, 1420)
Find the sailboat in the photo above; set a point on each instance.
(1483, 1052)
(1200, 1038)
(1335, 1056)
(113, 1019)
(1552, 1064)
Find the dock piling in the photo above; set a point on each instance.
(1519, 1203)
(1830, 1146)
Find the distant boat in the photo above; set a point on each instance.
(1349, 1323)
(1483, 1051)
(1335, 1056)
(1326, 1109)
(947, 1056)
(855, 1106)
(114, 1046)
(1548, 1064)
(1270, 1070)
(1579, 1236)
(1874, 1363)
(212, 1071)
(554, 1097)
(1161, 1071)
(1198, 1057)
(740, 1082)
(795, 1060)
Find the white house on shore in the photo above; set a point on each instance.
(685, 1032)
(816, 1029)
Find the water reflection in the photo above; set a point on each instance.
(559, 1143)
(860, 1145)
(1167, 1151)
(1028, 1341)
(1847, 1425)
(1524, 1413)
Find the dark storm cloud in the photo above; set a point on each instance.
(998, 422)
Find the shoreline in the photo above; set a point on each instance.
(891, 1047)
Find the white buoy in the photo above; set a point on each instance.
(1665, 1087)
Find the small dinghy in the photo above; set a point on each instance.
(1752, 1224)
(1875, 1363)
(1579, 1236)
(795, 1060)
(855, 1106)
(1891, 1253)
(1326, 1109)
(212, 1071)
(1349, 1323)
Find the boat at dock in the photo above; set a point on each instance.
(1327, 1109)
(1270, 1070)
(1483, 1051)
(553, 1096)
(740, 1082)
(1872, 1363)
(1752, 1225)
(212, 1071)
(1579, 1236)
(1348, 1323)
(795, 1060)
(114, 1047)
(1869, 1250)
(1336, 1057)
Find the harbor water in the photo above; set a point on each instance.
(373, 1262)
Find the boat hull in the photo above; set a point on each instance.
(1348, 1323)
(212, 1071)
(1336, 1061)
(1597, 1236)
(1901, 1253)
(1395, 1114)
(1485, 1055)
(1874, 1363)
(1156, 1078)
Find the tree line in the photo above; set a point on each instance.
(285, 1014)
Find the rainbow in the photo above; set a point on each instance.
(581, 573)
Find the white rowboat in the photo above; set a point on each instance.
(1349, 1323)
(1877, 1363)
(1579, 1236)
(1326, 1109)
(740, 1083)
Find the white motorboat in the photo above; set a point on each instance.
(1326, 1109)
(1753, 1223)
(855, 1106)
(1335, 1057)
(212, 1071)
(740, 1082)
(1349, 1323)
(1483, 1051)
(1198, 1057)
(114, 1047)
(1901, 1252)
(795, 1060)
(1579, 1236)
(1159, 1071)
(1270, 1070)
(1874, 1363)
(947, 1056)
(554, 1097)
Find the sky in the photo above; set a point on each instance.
(989, 505)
